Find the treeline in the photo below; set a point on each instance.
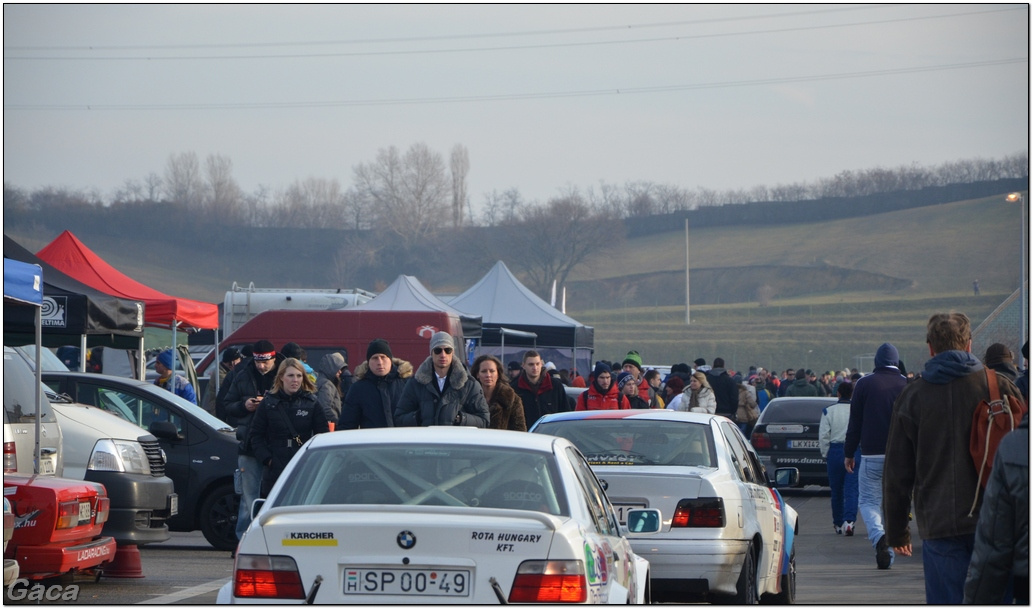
(409, 212)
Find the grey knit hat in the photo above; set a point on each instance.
(441, 339)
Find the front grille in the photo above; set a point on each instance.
(154, 457)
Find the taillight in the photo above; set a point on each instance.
(103, 510)
(760, 441)
(10, 458)
(707, 512)
(550, 581)
(68, 514)
(259, 576)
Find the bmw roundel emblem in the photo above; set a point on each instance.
(406, 540)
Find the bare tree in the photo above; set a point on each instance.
(408, 194)
(152, 185)
(183, 180)
(552, 239)
(223, 197)
(460, 166)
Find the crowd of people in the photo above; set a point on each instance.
(876, 437)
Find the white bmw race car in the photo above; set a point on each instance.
(439, 515)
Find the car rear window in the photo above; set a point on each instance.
(794, 411)
(637, 442)
(20, 392)
(415, 474)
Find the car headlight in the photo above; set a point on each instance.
(119, 456)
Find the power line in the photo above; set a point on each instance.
(500, 48)
(523, 96)
(437, 38)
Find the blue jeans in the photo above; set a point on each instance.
(843, 485)
(250, 485)
(945, 562)
(869, 497)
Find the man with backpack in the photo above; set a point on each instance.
(928, 457)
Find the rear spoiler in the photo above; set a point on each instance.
(551, 522)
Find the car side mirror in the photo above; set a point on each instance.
(164, 429)
(786, 477)
(643, 521)
(256, 505)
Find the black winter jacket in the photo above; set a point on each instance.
(1002, 535)
(371, 400)
(271, 438)
(726, 392)
(246, 383)
(548, 398)
(461, 403)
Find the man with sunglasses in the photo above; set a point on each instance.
(441, 392)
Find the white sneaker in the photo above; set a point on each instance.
(848, 528)
(839, 529)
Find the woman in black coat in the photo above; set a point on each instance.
(288, 416)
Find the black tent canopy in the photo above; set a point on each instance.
(71, 311)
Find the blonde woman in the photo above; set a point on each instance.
(287, 417)
(699, 396)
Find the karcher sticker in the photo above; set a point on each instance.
(310, 538)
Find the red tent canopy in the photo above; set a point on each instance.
(70, 256)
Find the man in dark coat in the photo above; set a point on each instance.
(869, 425)
(802, 387)
(441, 392)
(328, 391)
(928, 460)
(726, 390)
(378, 386)
(1001, 554)
(248, 385)
(538, 392)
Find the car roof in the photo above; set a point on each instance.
(650, 414)
(444, 434)
(113, 378)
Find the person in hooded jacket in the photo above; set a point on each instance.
(628, 387)
(726, 390)
(378, 386)
(289, 415)
(999, 358)
(328, 391)
(928, 463)
(602, 394)
(802, 386)
(441, 392)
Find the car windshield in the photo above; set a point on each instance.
(794, 411)
(637, 442)
(431, 474)
(48, 361)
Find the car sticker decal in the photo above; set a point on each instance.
(503, 541)
(309, 538)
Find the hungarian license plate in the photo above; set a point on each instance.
(46, 466)
(623, 509)
(802, 443)
(408, 582)
(84, 511)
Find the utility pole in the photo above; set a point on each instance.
(688, 319)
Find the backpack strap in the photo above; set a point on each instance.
(991, 381)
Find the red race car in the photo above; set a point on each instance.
(57, 525)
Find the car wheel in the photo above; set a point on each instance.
(788, 594)
(746, 587)
(218, 517)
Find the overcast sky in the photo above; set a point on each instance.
(543, 97)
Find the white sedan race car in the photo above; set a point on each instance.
(438, 515)
(727, 534)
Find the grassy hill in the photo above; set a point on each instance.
(834, 289)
